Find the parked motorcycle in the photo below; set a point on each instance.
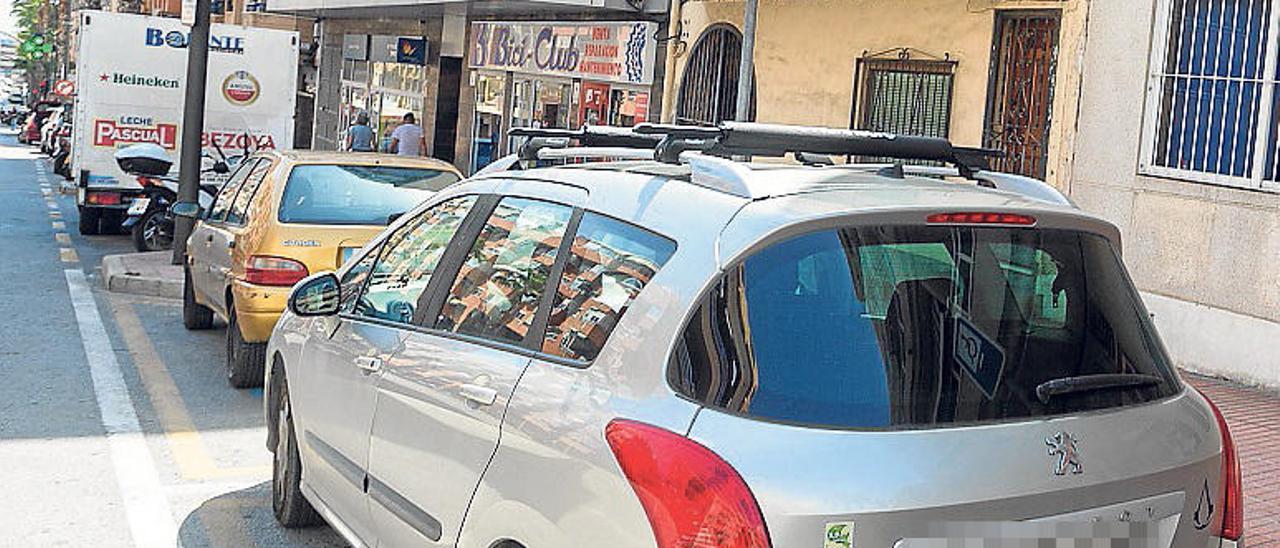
(148, 219)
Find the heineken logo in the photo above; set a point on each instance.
(122, 79)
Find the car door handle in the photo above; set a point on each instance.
(368, 364)
(482, 395)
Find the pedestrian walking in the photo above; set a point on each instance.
(407, 138)
(360, 135)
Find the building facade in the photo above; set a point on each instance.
(1177, 146)
(997, 73)
(469, 71)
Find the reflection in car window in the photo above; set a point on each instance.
(353, 281)
(357, 195)
(921, 326)
(502, 280)
(240, 206)
(609, 263)
(409, 257)
(228, 192)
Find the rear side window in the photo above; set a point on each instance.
(915, 327)
(504, 276)
(228, 193)
(356, 195)
(609, 263)
(239, 211)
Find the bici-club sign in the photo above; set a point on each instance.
(611, 52)
(240, 88)
(130, 130)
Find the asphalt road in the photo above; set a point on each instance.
(117, 427)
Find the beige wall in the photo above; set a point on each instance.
(1210, 245)
(807, 50)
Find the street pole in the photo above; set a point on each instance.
(743, 111)
(192, 128)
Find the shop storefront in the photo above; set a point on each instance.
(384, 77)
(557, 75)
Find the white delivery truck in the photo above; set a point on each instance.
(130, 89)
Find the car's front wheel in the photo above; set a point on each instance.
(246, 361)
(290, 507)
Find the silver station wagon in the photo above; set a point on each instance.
(690, 350)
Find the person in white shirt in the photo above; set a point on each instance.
(407, 138)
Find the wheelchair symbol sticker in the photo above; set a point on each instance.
(979, 356)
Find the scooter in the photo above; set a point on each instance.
(148, 219)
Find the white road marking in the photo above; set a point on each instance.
(150, 518)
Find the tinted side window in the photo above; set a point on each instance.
(408, 259)
(609, 263)
(222, 203)
(240, 206)
(502, 279)
(923, 326)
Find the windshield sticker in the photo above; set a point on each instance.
(839, 535)
(979, 356)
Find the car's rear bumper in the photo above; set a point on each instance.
(258, 307)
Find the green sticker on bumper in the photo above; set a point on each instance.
(838, 535)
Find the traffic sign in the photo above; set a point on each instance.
(65, 88)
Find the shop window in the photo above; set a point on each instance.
(1211, 109)
(902, 95)
(709, 87)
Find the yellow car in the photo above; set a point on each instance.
(281, 216)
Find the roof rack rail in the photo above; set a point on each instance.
(757, 139)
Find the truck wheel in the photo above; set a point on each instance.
(194, 315)
(149, 233)
(291, 509)
(89, 221)
(246, 361)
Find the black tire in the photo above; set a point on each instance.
(194, 315)
(89, 218)
(246, 361)
(148, 233)
(292, 510)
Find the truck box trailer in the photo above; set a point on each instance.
(130, 82)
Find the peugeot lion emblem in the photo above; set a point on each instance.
(1063, 446)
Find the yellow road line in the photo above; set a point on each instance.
(68, 255)
(63, 238)
(185, 443)
(59, 225)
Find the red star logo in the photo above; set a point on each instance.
(104, 77)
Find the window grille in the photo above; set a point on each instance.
(1211, 94)
(904, 96)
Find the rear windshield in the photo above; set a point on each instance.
(878, 327)
(356, 195)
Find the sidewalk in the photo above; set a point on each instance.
(143, 274)
(1254, 417)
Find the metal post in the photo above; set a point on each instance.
(745, 65)
(192, 127)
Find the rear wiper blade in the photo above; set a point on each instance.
(1091, 383)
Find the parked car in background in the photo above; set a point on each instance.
(705, 352)
(280, 216)
(29, 133)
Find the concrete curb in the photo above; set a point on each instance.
(143, 274)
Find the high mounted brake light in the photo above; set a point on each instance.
(980, 218)
(692, 497)
(1232, 527)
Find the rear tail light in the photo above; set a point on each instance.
(263, 270)
(102, 198)
(1232, 488)
(692, 497)
(980, 218)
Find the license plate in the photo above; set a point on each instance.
(139, 206)
(347, 254)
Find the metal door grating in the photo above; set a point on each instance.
(1024, 56)
(709, 86)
